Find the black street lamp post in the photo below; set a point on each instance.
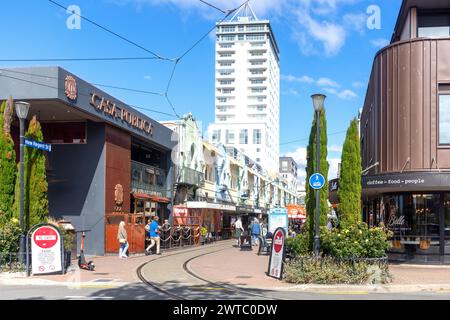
(318, 101)
(22, 113)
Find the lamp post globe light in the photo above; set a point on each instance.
(318, 104)
(22, 113)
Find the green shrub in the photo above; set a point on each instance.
(349, 192)
(356, 241)
(35, 181)
(328, 270)
(67, 235)
(299, 245)
(7, 163)
(68, 238)
(9, 237)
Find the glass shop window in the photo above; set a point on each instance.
(433, 25)
(444, 119)
(447, 223)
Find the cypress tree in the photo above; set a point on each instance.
(349, 192)
(35, 181)
(310, 170)
(7, 162)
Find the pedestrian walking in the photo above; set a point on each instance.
(123, 241)
(329, 224)
(154, 237)
(147, 232)
(204, 233)
(255, 229)
(239, 230)
(264, 229)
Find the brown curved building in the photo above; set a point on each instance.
(405, 134)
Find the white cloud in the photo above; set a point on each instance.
(326, 82)
(356, 22)
(331, 35)
(314, 26)
(303, 79)
(358, 84)
(344, 94)
(347, 94)
(148, 77)
(379, 43)
(328, 85)
(262, 8)
(291, 92)
(321, 82)
(299, 155)
(333, 168)
(335, 148)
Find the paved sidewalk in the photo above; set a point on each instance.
(110, 271)
(246, 269)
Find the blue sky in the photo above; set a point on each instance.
(325, 47)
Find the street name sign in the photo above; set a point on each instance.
(38, 145)
(317, 181)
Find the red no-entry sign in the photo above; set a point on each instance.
(278, 241)
(45, 237)
(277, 254)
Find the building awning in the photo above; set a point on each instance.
(207, 205)
(234, 161)
(296, 212)
(210, 147)
(145, 196)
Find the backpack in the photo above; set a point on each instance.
(256, 229)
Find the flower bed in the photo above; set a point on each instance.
(354, 255)
(330, 270)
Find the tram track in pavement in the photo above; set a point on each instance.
(203, 284)
(154, 285)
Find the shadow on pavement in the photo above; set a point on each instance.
(177, 290)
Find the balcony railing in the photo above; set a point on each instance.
(190, 176)
(148, 179)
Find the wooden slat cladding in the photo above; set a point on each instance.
(118, 171)
(118, 168)
(399, 121)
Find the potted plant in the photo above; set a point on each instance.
(68, 233)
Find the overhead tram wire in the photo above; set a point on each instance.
(111, 32)
(80, 93)
(212, 6)
(177, 60)
(91, 83)
(79, 59)
(305, 139)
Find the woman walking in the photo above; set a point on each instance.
(239, 231)
(122, 237)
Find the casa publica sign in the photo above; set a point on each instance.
(120, 113)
